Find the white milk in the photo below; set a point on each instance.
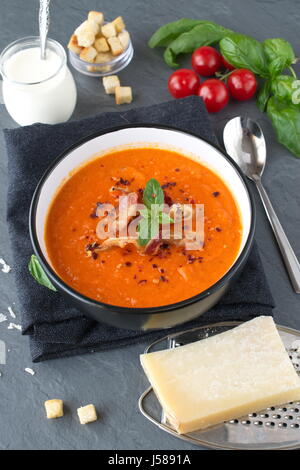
(36, 90)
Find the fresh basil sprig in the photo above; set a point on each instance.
(152, 215)
(38, 273)
(170, 31)
(286, 122)
(203, 34)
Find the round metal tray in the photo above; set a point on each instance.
(272, 428)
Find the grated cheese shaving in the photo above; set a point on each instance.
(5, 267)
(29, 371)
(12, 326)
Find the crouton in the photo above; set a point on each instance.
(73, 45)
(123, 94)
(110, 83)
(96, 16)
(115, 46)
(87, 26)
(119, 24)
(85, 38)
(88, 54)
(108, 30)
(124, 39)
(87, 414)
(101, 45)
(54, 408)
(103, 57)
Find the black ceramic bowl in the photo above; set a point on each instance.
(140, 136)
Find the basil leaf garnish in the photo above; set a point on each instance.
(38, 273)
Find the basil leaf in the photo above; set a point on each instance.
(38, 273)
(279, 49)
(263, 95)
(245, 52)
(284, 87)
(144, 232)
(165, 218)
(170, 31)
(286, 122)
(153, 193)
(204, 34)
(276, 66)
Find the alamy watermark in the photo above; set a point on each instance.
(133, 220)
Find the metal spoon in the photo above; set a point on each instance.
(44, 21)
(245, 143)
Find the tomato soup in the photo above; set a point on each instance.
(128, 276)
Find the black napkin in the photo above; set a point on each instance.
(55, 328)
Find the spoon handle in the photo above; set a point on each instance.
(290, 260)
(44, 21)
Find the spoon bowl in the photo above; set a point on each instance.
(245, 143)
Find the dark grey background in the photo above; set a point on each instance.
(113, 380)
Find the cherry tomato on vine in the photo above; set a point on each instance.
(183, 82)
(242, 84)
(226, 64)
(215, 94)
(206, 61)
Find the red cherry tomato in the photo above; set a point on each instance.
(242, 84)
(206, 61)
(183, 82)
(215, 94)
(227, 65)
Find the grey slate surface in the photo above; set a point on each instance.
(113, 380)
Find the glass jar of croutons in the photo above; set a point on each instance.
(98, 48)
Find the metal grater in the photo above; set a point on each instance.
(272, 428)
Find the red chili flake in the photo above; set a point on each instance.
(154, 266)
(168, 199)
(163, 279)
(191, 259)
(218, 229)
(142, 281)
(170, 184)
(123, 182)
(102, 261)
(74, 229)
(161, 270)
(192, 201)
(135, 276)
(164, 246)
(216, 194)
(177, 169)
(92, 246)
(94, 255)
(128, 263)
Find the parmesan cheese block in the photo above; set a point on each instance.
(225, 376)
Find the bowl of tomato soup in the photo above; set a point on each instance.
(142, 226)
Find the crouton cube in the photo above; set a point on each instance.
(110, 83)
(73, 45)
(119, 24)
(123, 94)
(108, 30)
(124, 39)
(88, 54)
(54, 408)
(101, 45)
(96, 16)
(87, 26)
(103, 57)
(85, 38)
(87, 414)
(105, 68)
(115, 46)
